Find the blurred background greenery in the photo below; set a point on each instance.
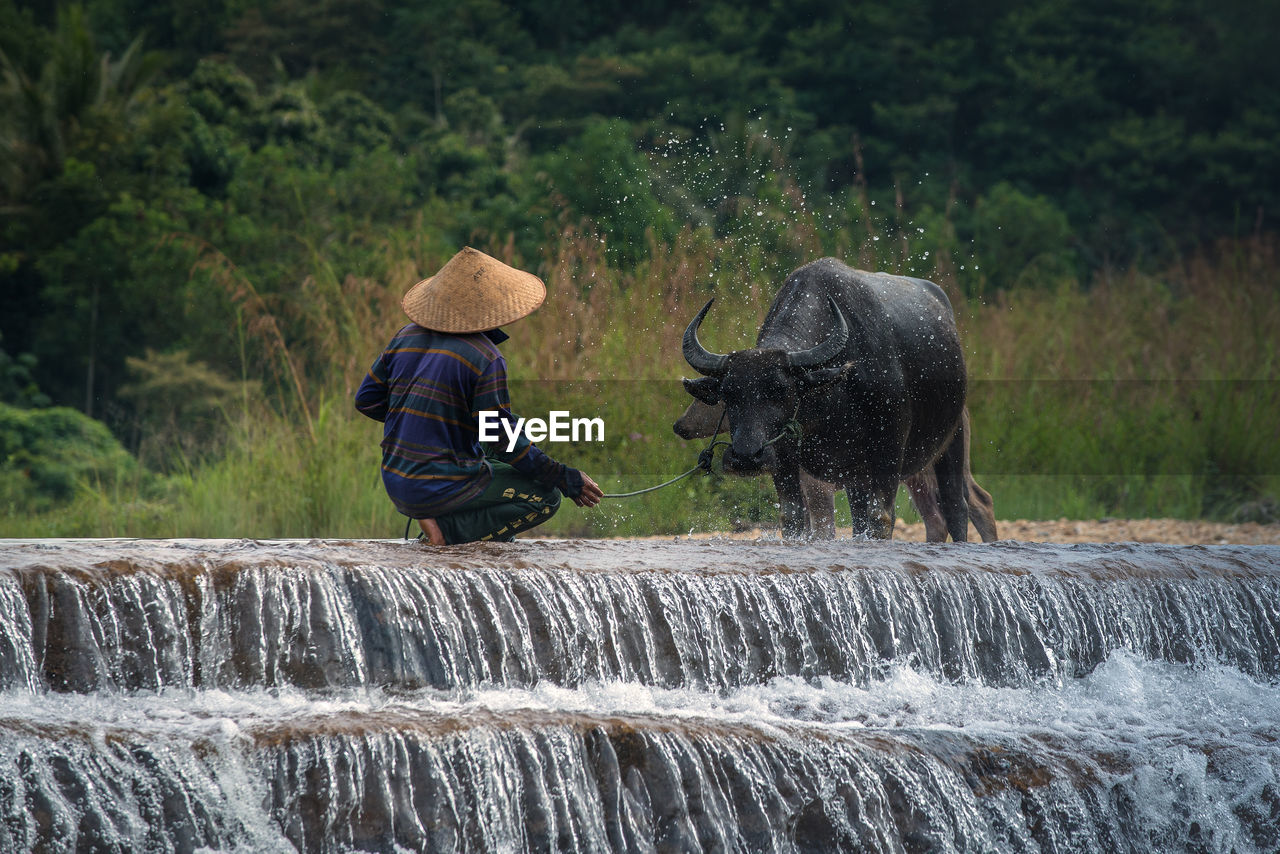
(209, 211)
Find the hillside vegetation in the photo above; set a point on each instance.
(208, 213)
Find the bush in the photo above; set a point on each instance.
(17, 380)
(603, 177)
(47, 455)
(1021, 240)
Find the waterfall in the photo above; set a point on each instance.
(638, 696)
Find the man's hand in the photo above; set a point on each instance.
(591, 493)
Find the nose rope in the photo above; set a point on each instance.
(705, 458)
(792, 429)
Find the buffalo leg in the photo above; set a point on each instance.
(871, 506)
(790, 501)
(819, 506)
(982, 511)
(950, 471)
(923, 489)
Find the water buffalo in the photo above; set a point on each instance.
(700, 421)
(857, 379)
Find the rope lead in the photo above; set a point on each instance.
(653, 488)
(791, 430)
(704, 465)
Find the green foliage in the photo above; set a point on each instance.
(182, 408)
(17, 381)
(602, 176)
(73, 93)
(252, 206)
(1021, 240)
(49, 455)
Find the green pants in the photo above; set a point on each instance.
(512, 502)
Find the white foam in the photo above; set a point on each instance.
(1125, 701)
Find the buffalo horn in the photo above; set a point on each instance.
(820, 355)
(699, 358)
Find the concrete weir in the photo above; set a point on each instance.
(638, 696)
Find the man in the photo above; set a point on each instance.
(429, 387)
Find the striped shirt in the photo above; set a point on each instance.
(428, 388)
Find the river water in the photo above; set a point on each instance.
(638, 696)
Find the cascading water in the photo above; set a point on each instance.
(589, 696)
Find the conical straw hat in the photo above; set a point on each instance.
(473, 293)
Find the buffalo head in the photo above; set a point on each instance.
(761, 389)
(700, 421)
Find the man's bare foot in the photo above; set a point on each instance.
(432, 530)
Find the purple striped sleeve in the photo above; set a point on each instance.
(371, 397)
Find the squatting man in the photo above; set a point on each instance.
(429, 388)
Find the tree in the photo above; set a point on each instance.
(17, 381)
(603, 177)
(44, 110)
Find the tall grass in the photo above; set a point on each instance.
(1140, 395)
(1132, 394)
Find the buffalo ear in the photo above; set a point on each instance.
(705, 389)
(823, 377)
